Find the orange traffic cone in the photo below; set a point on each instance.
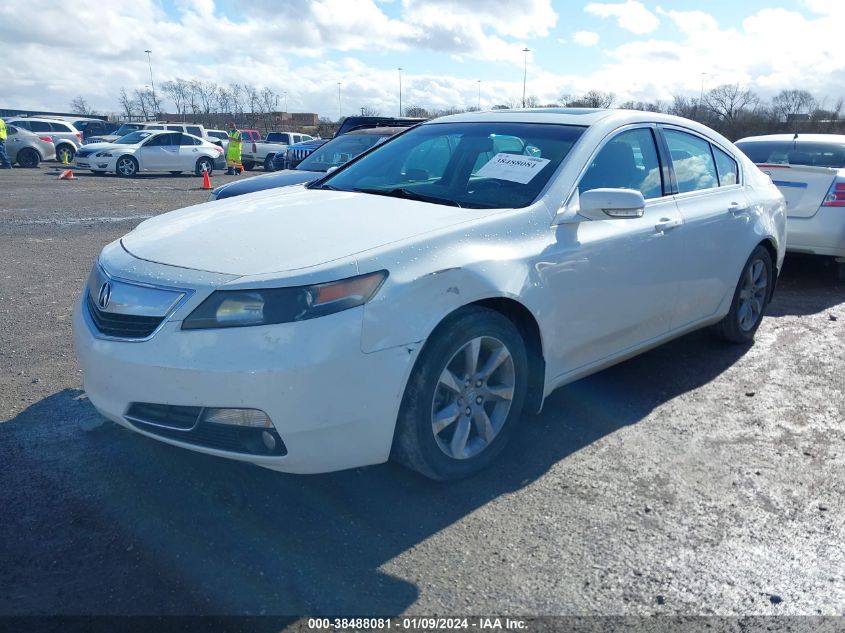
(206, 181)
(67, 174)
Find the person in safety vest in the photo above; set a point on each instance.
(4, 160)
(233, 151)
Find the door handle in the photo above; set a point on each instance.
(738, 208)
(667, 223)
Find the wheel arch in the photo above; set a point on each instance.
(769, 244)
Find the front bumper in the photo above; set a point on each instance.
(334, 406)
(821, 234)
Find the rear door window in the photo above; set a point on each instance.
(692, 161)
(727, 168)
(39, 126)
(195, 130)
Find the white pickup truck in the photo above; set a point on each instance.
(255, 150)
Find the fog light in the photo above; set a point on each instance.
(238, 417)
(269, 440)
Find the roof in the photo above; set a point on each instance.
(378, 131)
(805, 138)
(565, 116)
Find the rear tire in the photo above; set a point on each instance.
(204, 165)
(28, 158)
(65, 153)
(464, 397)
(752, 294)
(248, 165)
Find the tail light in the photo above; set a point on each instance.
(219, 149)
(836, 194)
(254, 148)
(79, 136)
(46, 139)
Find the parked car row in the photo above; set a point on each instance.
(413, 302)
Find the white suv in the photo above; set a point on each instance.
(66, 137)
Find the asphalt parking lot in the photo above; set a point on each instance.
(695, 479)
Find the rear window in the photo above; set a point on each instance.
(795, 153)
(195, 130)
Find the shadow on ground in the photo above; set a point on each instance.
(101, 520)
(807, 285)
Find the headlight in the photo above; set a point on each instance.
(266, 306)
(103, 154)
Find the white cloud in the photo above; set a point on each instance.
(586, 38)
(630, 15)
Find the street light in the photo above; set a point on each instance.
(338, 102)
(525, 52)
(150, 64)
(400, 91)
(479, 95)
(285, 94)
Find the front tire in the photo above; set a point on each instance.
(268, 163)
(126, 167)
(464, 397)
(28, 158)
(750, 299)
(248, 165)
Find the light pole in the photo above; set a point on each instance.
(525, 52)
(338, 101)
(479, 95)
(400, 91)
(701, 94)
(285, 94)
(150, 64)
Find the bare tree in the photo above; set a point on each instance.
(129, 106)
(206, 94)
(417, 112)
(730, 101)
(80, 106)
(591, 99)
(145, 102)
(179, 91)
(370, 111)
(787, 105)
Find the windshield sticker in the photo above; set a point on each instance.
(513, 167)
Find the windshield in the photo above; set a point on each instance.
(132, 139)
(477, 165)
(125, 129)
(339, 151)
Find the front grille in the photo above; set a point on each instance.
(180, 423)
(121, 325)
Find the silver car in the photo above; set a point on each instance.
(65, 136)
(28, 149)
(809, 169)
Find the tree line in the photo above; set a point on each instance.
(732, 109)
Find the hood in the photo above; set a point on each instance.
(100, 146)
(283, 178)
(285, 229)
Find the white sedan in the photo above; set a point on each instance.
(150, 150)
(809, 169)
(413, 303)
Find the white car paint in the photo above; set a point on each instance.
(150, 157)
(599, 291)
(811, 226)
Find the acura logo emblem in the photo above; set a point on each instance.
(104, 295)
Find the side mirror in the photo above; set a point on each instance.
(606, 204)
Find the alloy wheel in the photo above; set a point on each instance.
(752, 294)
(473, 397)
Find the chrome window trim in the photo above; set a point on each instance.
(187, 293)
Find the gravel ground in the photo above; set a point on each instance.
(695, 479)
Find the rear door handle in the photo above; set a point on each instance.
(738, 208)
(667, 223)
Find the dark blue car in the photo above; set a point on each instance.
(333, 153)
